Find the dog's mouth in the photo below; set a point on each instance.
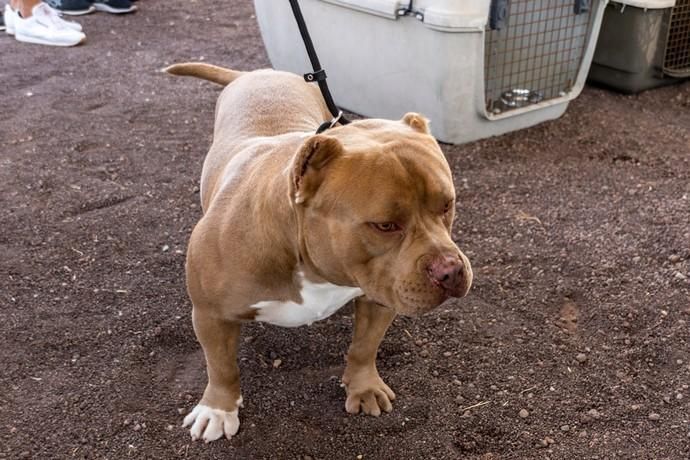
(413, 300)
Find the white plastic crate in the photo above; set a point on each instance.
(473, 73)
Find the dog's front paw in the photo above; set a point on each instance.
(368, 393)
(210, 424)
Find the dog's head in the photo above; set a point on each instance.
(375, 203)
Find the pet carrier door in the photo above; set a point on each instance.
(533, 51)
(677, 55)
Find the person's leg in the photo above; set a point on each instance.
(33, 21)
(25, 7)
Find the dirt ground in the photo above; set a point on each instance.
(574, 342)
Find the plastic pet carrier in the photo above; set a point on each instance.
(475, 68)
(643, 44)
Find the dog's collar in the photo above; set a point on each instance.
(329, 124)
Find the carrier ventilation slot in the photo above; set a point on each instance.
(677, 56)
(536, 52)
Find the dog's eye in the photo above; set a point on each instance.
(447, 208)
(386, 227)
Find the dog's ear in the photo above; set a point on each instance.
(416, 122)
(309, 163)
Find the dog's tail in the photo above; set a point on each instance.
(205, 71)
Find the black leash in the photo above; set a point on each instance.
(318, 75)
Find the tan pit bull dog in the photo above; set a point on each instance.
(296, 224)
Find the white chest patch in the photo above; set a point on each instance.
(319, 301)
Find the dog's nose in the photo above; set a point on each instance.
(447, 272)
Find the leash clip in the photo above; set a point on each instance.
(319, 75)
(329, 124)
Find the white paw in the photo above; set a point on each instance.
(210, 424)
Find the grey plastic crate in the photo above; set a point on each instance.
(642, 45)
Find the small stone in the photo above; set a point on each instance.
(673, 258)
(277, 363)
(457, 382)
(25, 454)
(549, 440)
(169, 427)
(424, 353)
(635, 407)
(523, 413)
(636, 259)
(359, 457)
(581, 357)
(447, 354)
(679, 361)
(418, 342)
(136, 427)
(679, 396)
(593, 413)
(679, 276)
(654, 416)
(180, 410)
(165, 248)
(542, 443)
(565, 427)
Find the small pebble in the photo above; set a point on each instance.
(169, 427)
(277, 363)
(424, 353)
(447, 354)
(136, 427)
(593, 413)
(654, 416)
(549, 440)
(581, 357)
(165, 248)
(635, 407)
(679, 276)
(565, 427)
(523, 413)
(673, 258)
(679, 396)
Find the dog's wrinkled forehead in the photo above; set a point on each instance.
(392, 173)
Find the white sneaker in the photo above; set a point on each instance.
(10, 15)
(45, 27)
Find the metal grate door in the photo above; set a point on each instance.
(677, 56)
(534, 51)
